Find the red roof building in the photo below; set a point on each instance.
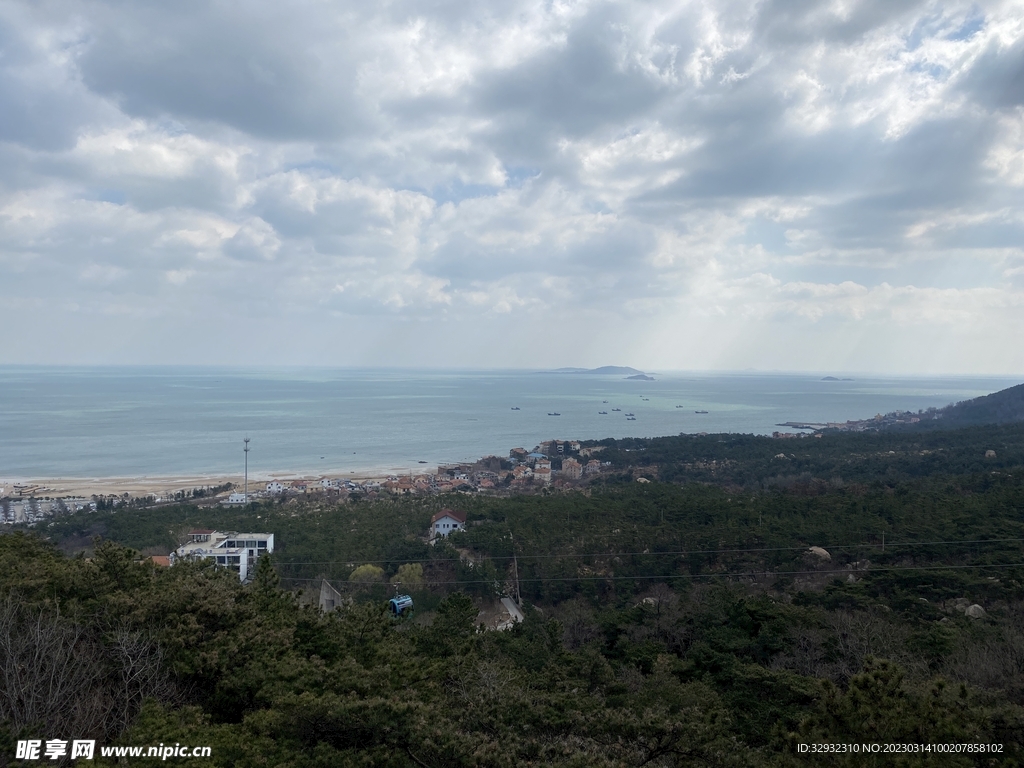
(447, 521)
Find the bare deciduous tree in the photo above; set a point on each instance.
(50, 674)
(57, 679)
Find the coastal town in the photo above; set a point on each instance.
(553, 463)
(879, 421)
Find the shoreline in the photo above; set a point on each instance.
(160, 485)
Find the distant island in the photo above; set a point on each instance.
(605, 370)
(641, 377)
(833, 378)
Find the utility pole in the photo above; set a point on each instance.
(515, 569)
(246, 450)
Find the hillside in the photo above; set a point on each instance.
(1003, 407)
(752, 595)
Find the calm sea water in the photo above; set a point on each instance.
(108, 422)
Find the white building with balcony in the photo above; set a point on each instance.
(237, 551)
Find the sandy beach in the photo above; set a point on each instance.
(166, 485)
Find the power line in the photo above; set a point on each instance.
(671, 554)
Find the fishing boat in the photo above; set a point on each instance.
(515, 407)
(554, 414)
(631, 418)
(700, 411)
(602, 413)
(616, 409)
(630, 415)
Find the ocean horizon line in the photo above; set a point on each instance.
(559, 370)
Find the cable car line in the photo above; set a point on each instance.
(667, 554)
(735, 574)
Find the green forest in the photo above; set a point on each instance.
(684, 620)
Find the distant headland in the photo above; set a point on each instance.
(1003, 407)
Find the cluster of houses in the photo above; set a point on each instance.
(880, 421)
(553, 462)
(536, 468)
(32, 510)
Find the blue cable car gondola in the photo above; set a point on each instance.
(400, 605)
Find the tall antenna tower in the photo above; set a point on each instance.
(246, 450)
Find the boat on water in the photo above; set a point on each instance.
(631, 418)
(630, 415)
(602, 413)
(604, 401)
(554, 414)
(616, 409)
(700, 411)
(515, 407)
(646, 399)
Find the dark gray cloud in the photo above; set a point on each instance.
(259, 68)
(996, 81)
(43, 107)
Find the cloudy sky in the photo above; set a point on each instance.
(790, 184)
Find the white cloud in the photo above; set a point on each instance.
(745, 176)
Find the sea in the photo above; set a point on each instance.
(164, 421)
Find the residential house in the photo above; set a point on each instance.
(275, 486)
(572, 469)
(593, 467)
(445, 522)
(520, 471)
